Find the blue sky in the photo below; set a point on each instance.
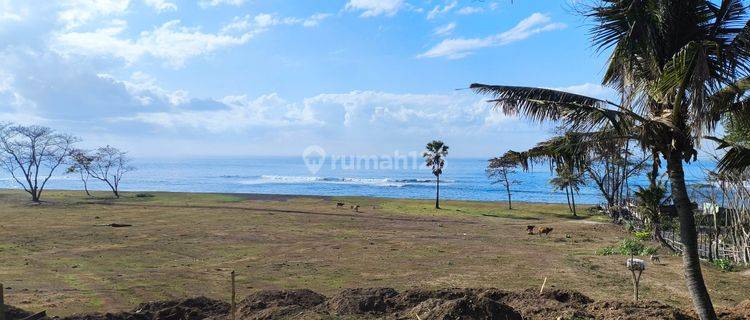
(172, 78)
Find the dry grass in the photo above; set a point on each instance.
(57, 256)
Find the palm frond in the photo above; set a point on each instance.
(736, 158)
(578, 112)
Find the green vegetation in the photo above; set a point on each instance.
(627, 247)
(643, 235)
(723, 264)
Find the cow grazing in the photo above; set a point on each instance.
(339, 204)
(530, 229)
(545, 230)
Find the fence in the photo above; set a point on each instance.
(707, 247)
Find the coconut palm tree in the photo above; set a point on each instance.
(435, 159)
(650, 199)
(569, 180)
(681, 66)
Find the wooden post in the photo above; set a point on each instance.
(234, 304)
(543, 283)
(2, 303)
(636, 282)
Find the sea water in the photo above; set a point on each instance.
(463, 179)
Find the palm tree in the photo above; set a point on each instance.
(650, 199)
(681, 66)
(435, 159)
(570, 181)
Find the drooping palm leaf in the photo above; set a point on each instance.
(736, 158)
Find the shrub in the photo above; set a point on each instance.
(643, 235)
(606, 251)
(723, 264)
(647, 251)
(631, 247)
(595, 210)
(629, 225)
(144, 195)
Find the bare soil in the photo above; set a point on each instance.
(387, 303)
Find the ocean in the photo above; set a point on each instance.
(463, 179)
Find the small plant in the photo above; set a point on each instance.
(629, 225)
(606, 251)
(595, 210)
(644, 235)
(631, 247)
(723, 264)
(647, 251)
(144, 195)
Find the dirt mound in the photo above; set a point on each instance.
(274, 304)
(739, 312)
(187, 309)
(463, 308)
(387, 303)
(362, 301)
(13, 313)
(633, 311)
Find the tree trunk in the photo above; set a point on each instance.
(437, 193)
(567, 196)
(573, 200)
(86, 188)
(689, 239)
(114, 189)
(510, 204)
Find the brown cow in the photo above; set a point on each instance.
(545, 230)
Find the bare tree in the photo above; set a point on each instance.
(31, 154)
(500, 170)
(81, 164)
(109, 164)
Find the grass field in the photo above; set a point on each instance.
(59, 256)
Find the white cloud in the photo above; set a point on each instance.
(79, 12)
(469, 10)
(445, 29)
(170, 42)
(592, 90)
(460, 47)
(438, 10)
(214, 3)
(262, 22)
(239, 114)
(143, 87)
(10, 12)
(161, 5)
(373, 8)
(361, 111)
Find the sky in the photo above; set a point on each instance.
(182, 78)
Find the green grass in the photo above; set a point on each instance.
(185, 244)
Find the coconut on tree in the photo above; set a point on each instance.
(681, 66)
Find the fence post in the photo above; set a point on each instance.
(2, 303)
(234, 304)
